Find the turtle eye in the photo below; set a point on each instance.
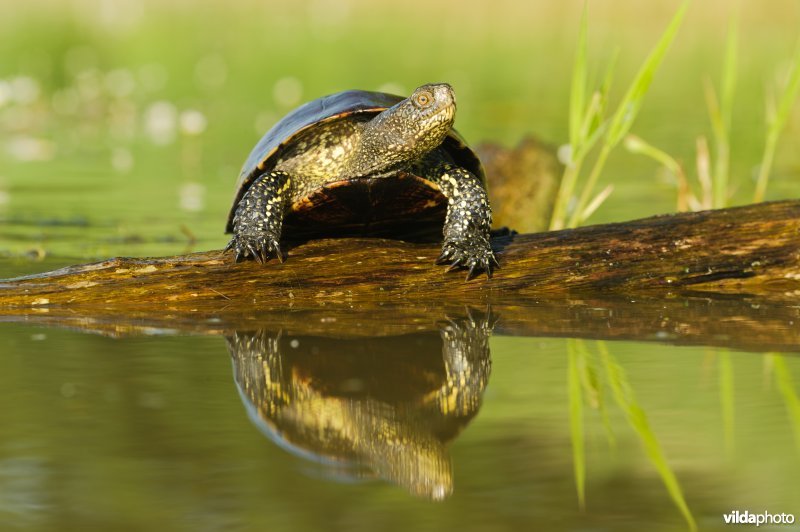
(423, 99)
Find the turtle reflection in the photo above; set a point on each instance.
(383, 406)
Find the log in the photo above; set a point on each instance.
(728, 277)
(752, 250)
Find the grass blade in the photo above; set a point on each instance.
(729, 69)
(592, 388)
(597, 202)
(608, 78)
(789, 95)
(789, 393)
(686, 198)
(579, 114)
(635, 144)
(726, 396)
(704, 173)
(576, 420)
(776, 123)
(628, 109)
(577, 100)
(632, 101)
(626, 400)
(720, 113)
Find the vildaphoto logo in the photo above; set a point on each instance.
(764, 518)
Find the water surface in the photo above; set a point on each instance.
(445, 429)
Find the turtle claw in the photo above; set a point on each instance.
(471, 272)
(278, 253)
(478, 266)
(454, 265)
(258, 247)
(253, 252)
(475, 256)
(263, 255)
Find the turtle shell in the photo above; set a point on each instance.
(351, 203)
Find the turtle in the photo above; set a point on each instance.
(369, 163)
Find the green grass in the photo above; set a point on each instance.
(586, 129)
(777, 116)
(716, 187)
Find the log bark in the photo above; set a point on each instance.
(744, 250)
(728, 277)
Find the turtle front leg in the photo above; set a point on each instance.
(259, 218)
(468, 222)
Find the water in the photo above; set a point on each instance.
(454, 427)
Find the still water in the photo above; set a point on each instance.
(457, 426)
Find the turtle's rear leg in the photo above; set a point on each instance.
(259, 218)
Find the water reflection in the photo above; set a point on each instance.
(381, 407)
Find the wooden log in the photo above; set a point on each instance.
(728, 278)
(744, 250)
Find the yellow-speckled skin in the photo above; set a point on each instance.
(405, 138)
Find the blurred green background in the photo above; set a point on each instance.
(123, 124)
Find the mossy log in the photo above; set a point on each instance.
(725, 277)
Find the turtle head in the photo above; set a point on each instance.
(407, 131)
